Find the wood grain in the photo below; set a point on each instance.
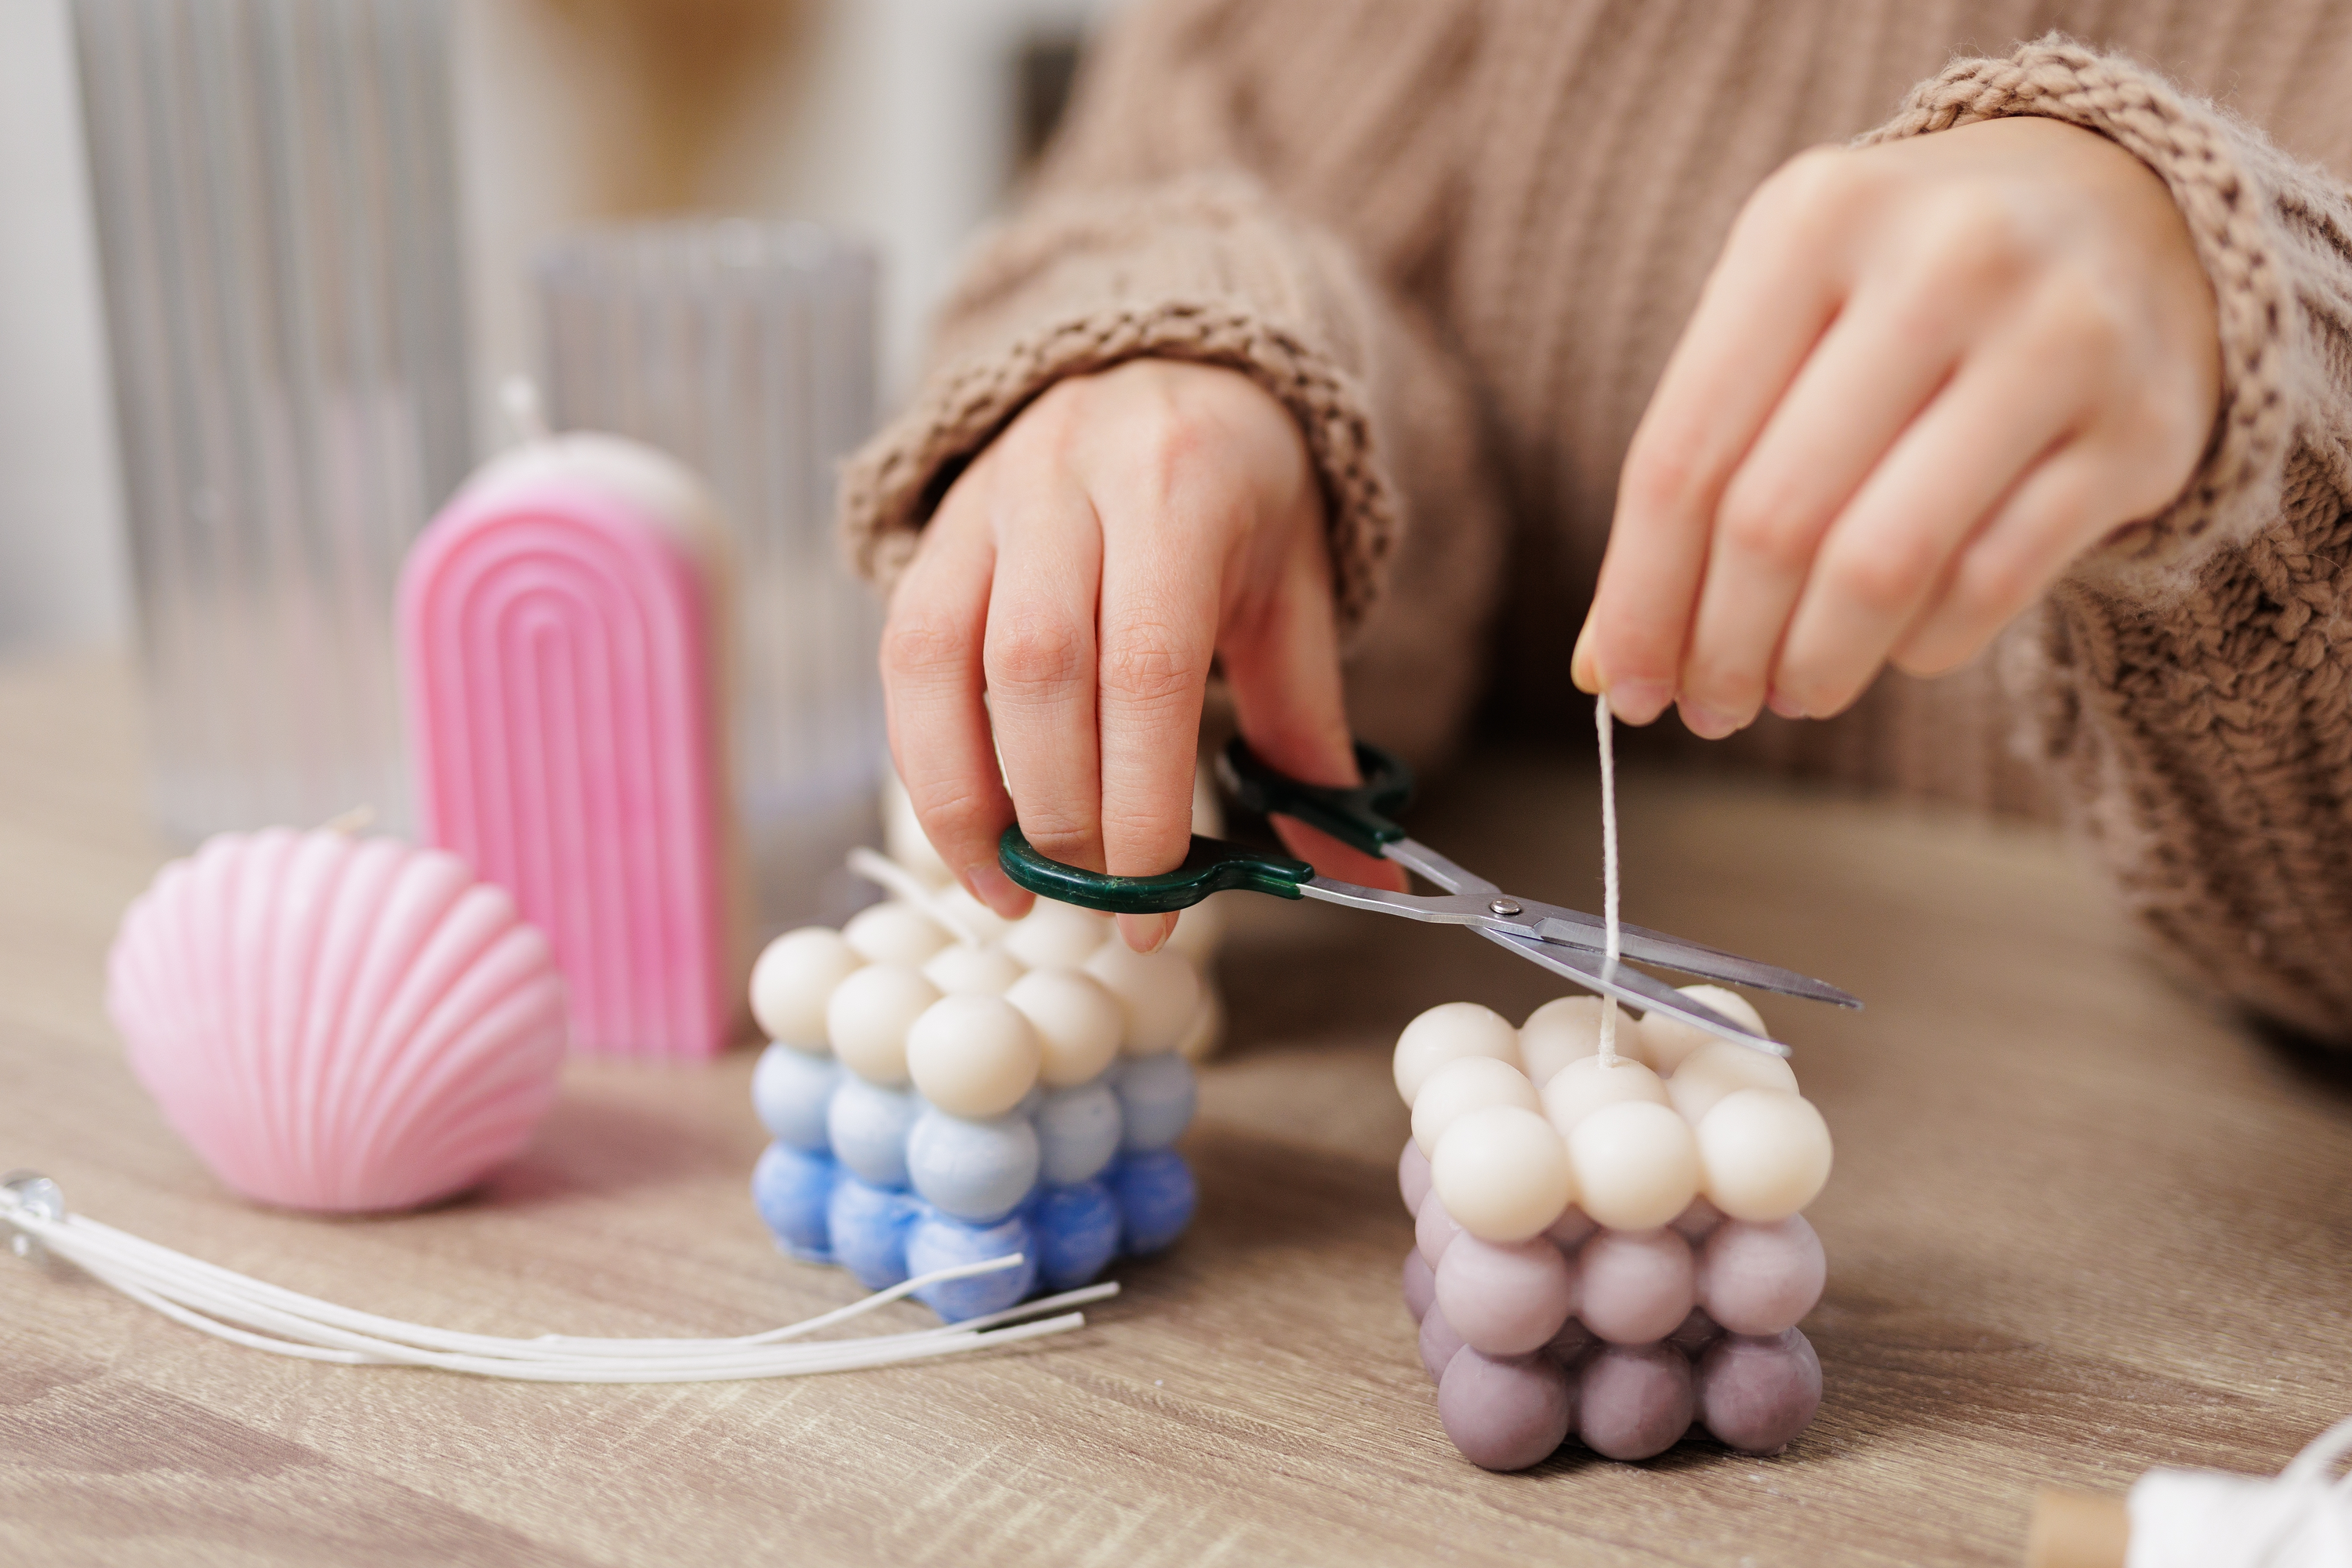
(2080, 1225)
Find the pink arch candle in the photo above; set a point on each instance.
(559, 633)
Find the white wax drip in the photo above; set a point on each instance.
(232, 1307)
(1603, 722)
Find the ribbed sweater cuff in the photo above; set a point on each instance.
(1201, 274)
(2214, 167)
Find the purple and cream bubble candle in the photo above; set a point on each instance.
(1609, 1247)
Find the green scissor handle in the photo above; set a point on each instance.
(1352, 816)
(1358, 816)
(1210, 865)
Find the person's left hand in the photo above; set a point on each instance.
(1924, 378)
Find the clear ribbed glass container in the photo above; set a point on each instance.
(277, 212)
(746, 350)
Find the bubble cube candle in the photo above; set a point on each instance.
(1612, 1251)
(937, 1099)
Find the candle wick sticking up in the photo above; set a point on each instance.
(1608, 875)
(519, 397)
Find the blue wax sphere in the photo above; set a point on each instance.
(939, 1242)
(792, 1189)
(974, 1171)
(1078, 1234)
(1077, 1133)
(869, 1226)
(869, 1126)
(1155, 1101)
(790, 1090)
(1156, 1198)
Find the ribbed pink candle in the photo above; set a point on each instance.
(558, 636)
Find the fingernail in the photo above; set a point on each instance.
(1579, 662)
(1786, 706)
(1706, 724)
(1146, 933)
(989, 884)
(1639, 701)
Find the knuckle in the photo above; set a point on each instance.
(1884, 579)
(953, 816)
(1150, 667)
(1065, 834)
(1035, 656)
(1990, 587)
(1766, 526)
(1813, 187)
(919, 642)
(1975, 241)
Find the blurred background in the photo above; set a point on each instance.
(900, 122)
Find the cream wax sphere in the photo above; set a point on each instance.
(1560, 1032)
(794, 981)
(1446, 1033)
(1501, 1173)
(1160, 990)
(1635, 1163)
(1764, 1153)
(894, 933)
(973, 1056)
(870, 1015)
(1057, 936)
(1720, 1068)
(1078, 1022)
(961, 969)
(1666, 1041)
(1461, 1085)
(1585, 1085)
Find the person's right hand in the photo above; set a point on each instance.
(1125, 528)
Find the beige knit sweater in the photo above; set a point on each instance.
(1458, 239)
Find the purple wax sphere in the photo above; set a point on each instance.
(1755, 1395)
(1761, 1279)
(1638, 1285)
(1434, 1228)
(1506, 1297)
(1633, 1402)
(1505, 1413)
(1412, 1176)
(1419, 1285)
(1438, 1343)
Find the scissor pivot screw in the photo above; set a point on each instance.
(1504, 907)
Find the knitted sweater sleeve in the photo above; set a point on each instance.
(2191, 676)
(1159, 229)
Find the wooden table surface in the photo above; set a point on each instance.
(2080, 1225)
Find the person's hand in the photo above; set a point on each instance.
(1924, 378)
(1065, 605)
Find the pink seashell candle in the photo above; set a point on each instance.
(335, 1023)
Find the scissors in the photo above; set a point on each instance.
(1566, 941)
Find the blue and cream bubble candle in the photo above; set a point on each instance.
(945, 1086)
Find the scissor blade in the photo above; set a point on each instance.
(1673, 953)
(1631, 985)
